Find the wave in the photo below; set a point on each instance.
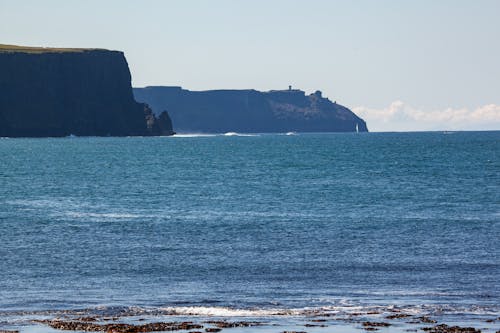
(202, 135)
(226, 311)
(343, 308)
(264, 312)
(238, 134)
(193, 135)
(102, 215)
(69, 208)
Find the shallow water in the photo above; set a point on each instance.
(260, 223)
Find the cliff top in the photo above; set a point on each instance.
(291, 91)
(33, 49)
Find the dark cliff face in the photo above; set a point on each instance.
(250, 111)
(60, 92)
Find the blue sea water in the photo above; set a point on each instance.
(268, 221)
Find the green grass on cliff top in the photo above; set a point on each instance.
(32, 49)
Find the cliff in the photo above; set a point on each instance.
(59, 92)
(250, 111)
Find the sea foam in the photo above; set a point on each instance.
(238, 134)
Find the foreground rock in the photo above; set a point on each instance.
(398, 316)
(422, 320)
(89, 326)
(375, 324)
(250, 111)
(60, 92)
(443, 328)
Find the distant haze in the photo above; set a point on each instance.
(401, 65)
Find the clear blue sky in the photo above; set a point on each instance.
(414, 57)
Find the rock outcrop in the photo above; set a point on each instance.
(250, 111)
(59, 92)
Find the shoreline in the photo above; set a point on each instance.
(217, 319)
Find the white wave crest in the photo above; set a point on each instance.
(422, 309)
(227, 312)
(238, 134)
(193, 135)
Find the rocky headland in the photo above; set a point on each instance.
(250, 111)
(52, 92)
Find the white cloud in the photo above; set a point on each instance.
(401, 117)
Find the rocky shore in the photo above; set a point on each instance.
(312, 321)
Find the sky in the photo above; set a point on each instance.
(400, 65)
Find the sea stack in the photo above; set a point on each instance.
(53, 92)
(250, 111)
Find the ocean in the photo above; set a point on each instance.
(269, 226)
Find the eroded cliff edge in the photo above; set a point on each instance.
(250, 111)
(47, 92)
